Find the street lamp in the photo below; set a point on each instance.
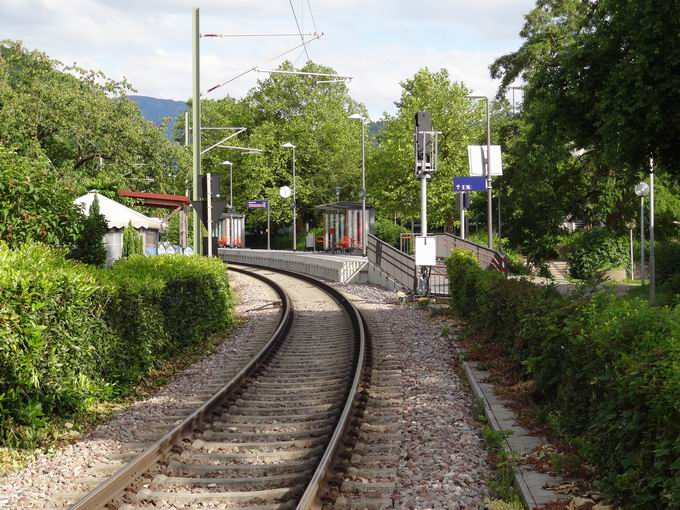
(289, 145)
(361, 118)
(489, 213)
(642, 190)
(231, 194)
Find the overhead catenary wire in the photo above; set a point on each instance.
(304, 45)
(311, 14)
(296, 34)
(254, 68)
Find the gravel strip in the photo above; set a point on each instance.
(442, 458)
(54, 480)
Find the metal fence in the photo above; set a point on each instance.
(396, 264)
(401, 267)
(486, 256)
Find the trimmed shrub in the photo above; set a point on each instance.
(71, 333)
(667, 255)
(388, 232)
(606, 371)
(132, 242)
(595, 252)
(89, 246)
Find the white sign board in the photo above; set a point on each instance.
(426, 251)
(476, 156)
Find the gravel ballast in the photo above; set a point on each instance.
(442, 457)
(55, 480)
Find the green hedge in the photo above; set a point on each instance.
(70, 333)
(607, 373)
(595, 251)
(388, 232)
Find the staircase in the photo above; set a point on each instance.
(559, 269)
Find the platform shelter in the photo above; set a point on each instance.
(231, 230)
(342, 228)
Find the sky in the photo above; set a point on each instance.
(377, 42)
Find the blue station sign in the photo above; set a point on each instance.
(257, 204)
(469, 184)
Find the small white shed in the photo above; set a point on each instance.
(118, 217)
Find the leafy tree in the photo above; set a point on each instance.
(84, 124)
(595, 84)
(392, 183)
(132, 242)
(34, 206)
(89, 247)
(287, 108)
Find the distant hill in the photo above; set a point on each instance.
(156, 110)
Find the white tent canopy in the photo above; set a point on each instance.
(117, 215)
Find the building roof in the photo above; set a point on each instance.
(117, 215)
(342, 206)
(157, 199)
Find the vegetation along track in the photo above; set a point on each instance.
(267, 439)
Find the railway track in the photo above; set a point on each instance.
(267, 439)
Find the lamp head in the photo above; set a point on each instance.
(288, 145)
(642, 189)
(357, 116)
(227, 163)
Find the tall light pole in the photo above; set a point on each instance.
(289, 145)
(361, 118)
(652, 269)
(196, 122)
(231, 193)
(489, 212)
(642, 190)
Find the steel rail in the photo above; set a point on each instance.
(309, 498)
(116, 484)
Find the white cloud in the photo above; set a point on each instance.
(380, 42)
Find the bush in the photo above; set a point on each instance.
(34, 205)
(89, 246)
(605, 368)
(667, 255)
(388, 232)
(595, 252)
(132, 242)
(71, 333)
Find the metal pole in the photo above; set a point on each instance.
(186, 129)
(269, 230)
(642, 240)
(209, 199)
(231, 193)
(632, 261)
(489, 212)
(462, 223)
(294, 206)
(652, 270)
(364, 223)
(196, 124)
(423, 193)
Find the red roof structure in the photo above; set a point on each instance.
(157, 199)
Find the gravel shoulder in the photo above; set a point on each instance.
(57, 479)
(442, 460)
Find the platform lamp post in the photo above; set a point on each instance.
(231, 193)
(289, 145)
(361, 118)
(642, 190)
(489, 213)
